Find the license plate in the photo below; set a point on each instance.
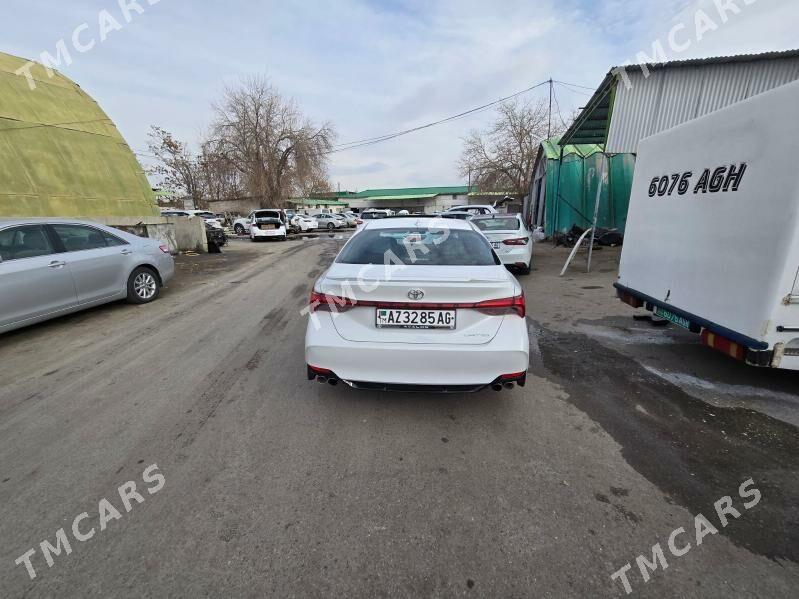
(495, 245)
(267, 227)
(678, 320)
(415, 319)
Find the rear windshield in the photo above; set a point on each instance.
(432, 247)
(497, 224)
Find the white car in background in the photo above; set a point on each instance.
(510, 238)
(268, 224)
(474, 209)
(350, 217)
(450, 318)
(305, 223)
(329, 221)
(209, 217)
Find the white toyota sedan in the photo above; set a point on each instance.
(417, 304)
(510, 238)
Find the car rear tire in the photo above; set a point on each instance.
(524, 270)
(143, 286)
(239, 229)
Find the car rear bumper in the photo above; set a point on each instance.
(281, 232)
(382, 365)
(514, 255)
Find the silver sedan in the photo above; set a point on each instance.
(51, 267)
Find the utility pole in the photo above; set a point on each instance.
(549, 124)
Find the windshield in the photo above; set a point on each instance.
(498, 224)
(431, 247)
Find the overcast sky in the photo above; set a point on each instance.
(372, 68)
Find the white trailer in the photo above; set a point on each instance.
(712, 240)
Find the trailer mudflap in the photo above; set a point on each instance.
(729, 342)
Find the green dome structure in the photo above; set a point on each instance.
(60, 154)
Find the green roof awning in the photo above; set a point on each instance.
(591, 126)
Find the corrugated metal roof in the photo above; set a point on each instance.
(672, 96)
(675, 92)
(60, 154)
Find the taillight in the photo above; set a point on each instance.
(358, 221)
(164, 248)
(322, 302)
(508, 305)
(517, 241)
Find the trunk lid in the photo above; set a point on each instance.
(439, 285)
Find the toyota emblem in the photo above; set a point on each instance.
(415, 294)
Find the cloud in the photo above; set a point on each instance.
(369, 67)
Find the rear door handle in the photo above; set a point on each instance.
(126, 252)
(57, 264)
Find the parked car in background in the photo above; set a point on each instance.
(457, 215)
(450, 319)
(349, 218)
(367, 216)
(509, 237)
(215, 237)
(473, 209)
(305, 223)
(329, 221)
(241, 225)
(51, 267)
(209, 217)
(268, 224)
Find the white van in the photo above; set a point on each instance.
(712, 239)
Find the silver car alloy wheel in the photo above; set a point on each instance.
(145, 285)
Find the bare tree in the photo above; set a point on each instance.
(501, 158)
(277, 151)
(177, 165)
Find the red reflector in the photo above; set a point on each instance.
(517, 241)
(513, 377)
(317, 370)
(630, 300)
(724, 345)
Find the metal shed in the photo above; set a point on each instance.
(564, 187)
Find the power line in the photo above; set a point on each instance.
(574, 91)
(373, 140)
(575, 85)
(557, 105)
(369, 141)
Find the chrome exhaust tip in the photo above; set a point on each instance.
(496, 387)
(321, 379)
(508, 385)
(333, 382)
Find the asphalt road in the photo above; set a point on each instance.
(276, 486)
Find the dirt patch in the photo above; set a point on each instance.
(694, 452)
